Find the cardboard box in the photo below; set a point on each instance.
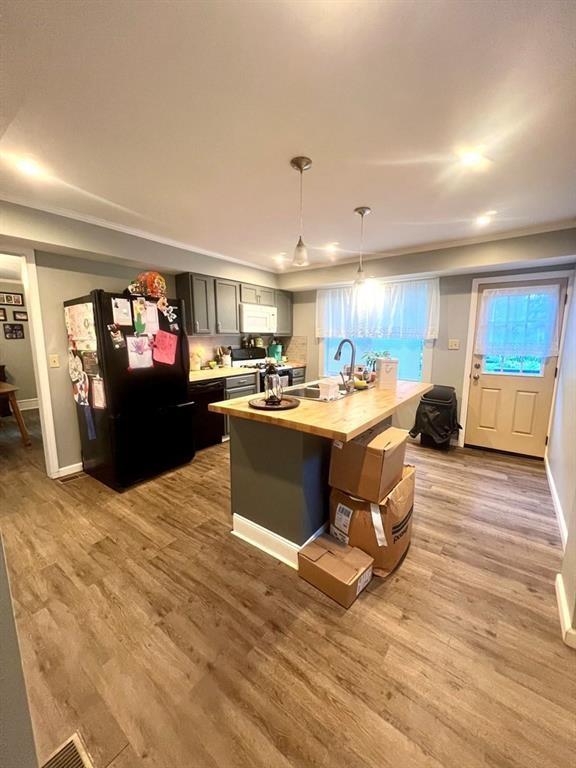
(381, 530)
(370, 465)
(336, 569)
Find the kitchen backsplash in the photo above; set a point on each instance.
(207, 345)
(297, 349)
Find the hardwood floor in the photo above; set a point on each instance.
(168, 643)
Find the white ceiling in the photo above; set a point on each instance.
(179, 118)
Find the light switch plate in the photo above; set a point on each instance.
(453, 343)
(54, 361)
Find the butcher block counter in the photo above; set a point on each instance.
(279, 462)
(341, 419)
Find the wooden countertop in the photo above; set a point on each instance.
(223, 373)
(337, 420)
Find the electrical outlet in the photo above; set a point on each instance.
(54, 361)
(453, 343)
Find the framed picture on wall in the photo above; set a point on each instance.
(19, 315)
(13, 331)
(12, 299)
(2, 315)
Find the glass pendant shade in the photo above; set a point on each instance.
(300, 258)
(360, 276)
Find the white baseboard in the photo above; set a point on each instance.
(28, 405)
(557, 505)
(568, 631)
(71, 469)
(277, 546)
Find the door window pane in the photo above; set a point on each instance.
(526, 365)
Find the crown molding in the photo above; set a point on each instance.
(411, 249)
(134, 232)
(440, 245)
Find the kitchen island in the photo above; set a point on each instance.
(279, 462)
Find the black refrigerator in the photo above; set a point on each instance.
(128, 362)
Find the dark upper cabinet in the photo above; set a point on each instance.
(227, 310)
(212, 304)
(197, 292)
(283, 300)
(256, 294)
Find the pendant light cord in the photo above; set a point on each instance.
(361, 242)
(301, 208)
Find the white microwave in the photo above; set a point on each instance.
(255, 318)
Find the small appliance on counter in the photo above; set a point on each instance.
(275, 350)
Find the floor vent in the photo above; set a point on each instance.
(70, 478)
(72, 754)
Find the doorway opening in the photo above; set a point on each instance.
(26, 419)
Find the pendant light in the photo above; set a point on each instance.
(300, 258)
(362, 211)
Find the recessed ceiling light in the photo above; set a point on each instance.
(30, 167)
(472, 157)
(485, 218)
(331, 247)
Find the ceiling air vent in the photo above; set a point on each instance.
(72, 754)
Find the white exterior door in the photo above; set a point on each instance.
(511, 394)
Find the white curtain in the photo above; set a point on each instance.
(518, 321)
(400, 310)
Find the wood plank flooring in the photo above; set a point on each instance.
(168, 643)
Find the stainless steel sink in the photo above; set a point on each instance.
(312, 392)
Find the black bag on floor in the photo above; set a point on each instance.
(437, 418)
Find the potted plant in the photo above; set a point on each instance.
(372, 356)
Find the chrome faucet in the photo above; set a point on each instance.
(349, 382)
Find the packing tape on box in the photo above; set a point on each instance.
(378, 527)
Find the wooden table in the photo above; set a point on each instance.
(9, 391)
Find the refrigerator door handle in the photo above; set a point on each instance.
(186, 354)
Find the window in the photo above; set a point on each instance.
(408, 352)
(395, 317)
(526, 365)
(518, 323)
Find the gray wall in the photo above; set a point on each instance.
(505, 254)
(58, 234)
(61, 278)
(447, 365)
(16, 354)
(304, 324)
(562, 453)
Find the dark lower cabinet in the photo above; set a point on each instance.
(239, 386)
(208, 426)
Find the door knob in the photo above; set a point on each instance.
(476, 365)
(476, 376)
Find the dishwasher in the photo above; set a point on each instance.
(208, 426)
